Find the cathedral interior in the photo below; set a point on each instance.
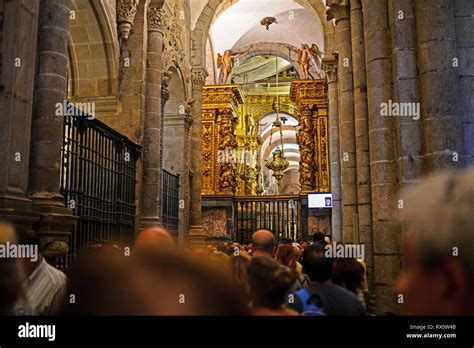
(217, 118)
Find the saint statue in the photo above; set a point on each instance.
(225, 63)
(251, 125)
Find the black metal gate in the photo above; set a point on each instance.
(281, 215)
(98, 183)
(170, 201)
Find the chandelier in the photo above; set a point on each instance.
(278, 164)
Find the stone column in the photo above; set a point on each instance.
(330, 67)
(47, 130)
(383, 166)
(464, 21)
(406, 88)
(18, 44)
(439, 85)
(196, 234)
(151, 191)
(165, 95)
(186, 188)
(364, 206)
(339, 10)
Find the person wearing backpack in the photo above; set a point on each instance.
(322, 297)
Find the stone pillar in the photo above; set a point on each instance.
(151, 191)
(439, 84)
(186, 187)
(196, 234)
(364, 206)
(18, 44)
(339, 10)
(330, 67)
(406, 88)
(47, 130)
(464, 21)
(383, 166)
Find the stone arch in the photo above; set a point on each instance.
(177, 88)
(93, 50)
(285, 108)
(215, 7)
(271, 48)
(174, 122)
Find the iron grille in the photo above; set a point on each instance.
(281, 215)
(170, 201)
(98, 173)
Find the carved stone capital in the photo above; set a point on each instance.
(330, 68)
(126, 12)
(188, 120)
(338, 10)
(189, 105)
(165, 91)
(157, 20)
(198, 78)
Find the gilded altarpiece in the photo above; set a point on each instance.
(219, 142)
(312, 100)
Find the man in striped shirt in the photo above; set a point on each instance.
(45, 287)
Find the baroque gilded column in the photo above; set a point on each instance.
(339, 10)
(219, 147)
(307, 149)
(226, 179)
(313, 139)
(196, 234)
(47, 128)
(151, 192)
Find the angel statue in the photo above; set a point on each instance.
(306, 55)
(225, 63)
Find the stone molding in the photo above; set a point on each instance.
(338, 10)
(198, 78)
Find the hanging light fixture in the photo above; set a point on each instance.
(278, 164)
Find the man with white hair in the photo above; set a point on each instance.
(438, 242)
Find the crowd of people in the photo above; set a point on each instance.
(265, 277)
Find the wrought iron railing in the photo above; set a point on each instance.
(98, 177)
(170, 201)
(279, 214)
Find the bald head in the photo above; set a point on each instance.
(155, 238)
(263, 242)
